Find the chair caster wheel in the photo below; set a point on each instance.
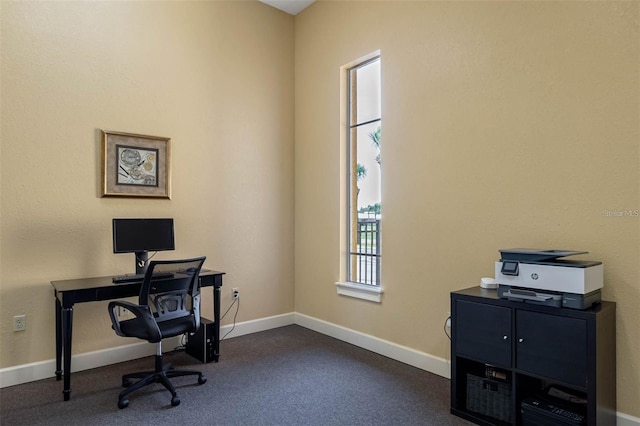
(202, 380)
(175, 401)
(123, 403)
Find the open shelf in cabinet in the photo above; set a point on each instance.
(484, 392)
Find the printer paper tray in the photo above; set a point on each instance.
(549, 298)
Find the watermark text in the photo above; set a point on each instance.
(620, 213)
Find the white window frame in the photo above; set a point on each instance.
(346, 287)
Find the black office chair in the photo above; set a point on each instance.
(168, 305)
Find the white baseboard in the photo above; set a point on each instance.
(45, 369)
(25, 373)
(256, 326)
(421, 360)
(627, 420)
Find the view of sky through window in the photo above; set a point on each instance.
(369, 108)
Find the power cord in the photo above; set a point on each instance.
(183, 344)
(148, 259)
(445, 327)
(235, 315)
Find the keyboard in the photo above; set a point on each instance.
(131, 278)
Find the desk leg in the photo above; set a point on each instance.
(67, 325)
(58, 309)
(216, 318)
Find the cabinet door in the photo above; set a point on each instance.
(552, 346)
(483, 332)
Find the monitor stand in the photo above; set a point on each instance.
(142, 260)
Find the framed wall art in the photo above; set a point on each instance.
(135, 165)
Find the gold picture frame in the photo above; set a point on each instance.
(135, 165)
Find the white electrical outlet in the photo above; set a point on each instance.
(20, 323)
(235, 292)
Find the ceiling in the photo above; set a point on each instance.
(292, 7)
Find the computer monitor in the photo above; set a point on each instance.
(140, 236)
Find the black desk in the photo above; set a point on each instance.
(69, 292)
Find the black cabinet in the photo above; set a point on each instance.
(503, 353)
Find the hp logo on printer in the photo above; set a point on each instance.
(534, 276)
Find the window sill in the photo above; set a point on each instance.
(360, 291)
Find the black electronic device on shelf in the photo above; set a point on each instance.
(544, 277)
(540, 412)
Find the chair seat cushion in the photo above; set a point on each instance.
(139, 328)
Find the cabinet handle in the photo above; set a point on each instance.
(520, 340)
(504, 337)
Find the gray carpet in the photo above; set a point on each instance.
(286, 376)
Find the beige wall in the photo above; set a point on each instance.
(216, 77)
(506, 124)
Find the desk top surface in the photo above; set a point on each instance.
(107, 281)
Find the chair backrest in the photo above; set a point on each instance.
(171, 289)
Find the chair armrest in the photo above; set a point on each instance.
(141, 313)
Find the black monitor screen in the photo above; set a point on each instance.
(142, 235)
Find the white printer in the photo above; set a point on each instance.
(540, 277)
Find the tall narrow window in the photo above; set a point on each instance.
(365, 170)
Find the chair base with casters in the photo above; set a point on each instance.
(161, 374)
